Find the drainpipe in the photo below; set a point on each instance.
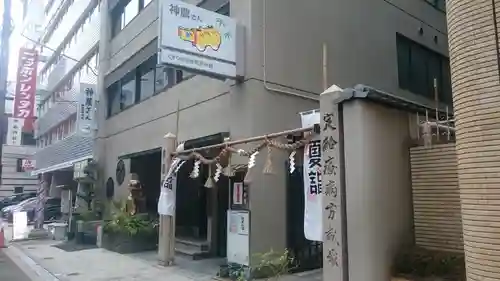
(264, 78)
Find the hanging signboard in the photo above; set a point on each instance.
(200, 40)
(238, 237)
(24, 99)
(85, 122)
(14, 131)
(313, 227)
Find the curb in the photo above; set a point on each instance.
(30, 267)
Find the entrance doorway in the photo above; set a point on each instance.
(307, 254)
(201, 219)
(148, 167)
(201, 222)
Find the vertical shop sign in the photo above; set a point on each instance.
(14, 127)
(334, 258)
(85, 115)
(24, 100)
(313, 227)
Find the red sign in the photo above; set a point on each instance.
(24, 100)
(238, 193)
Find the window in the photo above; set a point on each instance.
(123, 13)
(114, 96)
(419, 66)
(18, 189)
(19, 166)
(143, 82)
(128, 90)
(164, 76)
(130, 11)
(438, 4)
(28, 138)
(225, 9)
(147, 79)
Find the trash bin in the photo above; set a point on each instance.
(57, 230)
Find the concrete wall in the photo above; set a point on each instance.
(378, 188)
(361, 49)
(10, 177)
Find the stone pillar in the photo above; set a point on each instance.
(474, 55)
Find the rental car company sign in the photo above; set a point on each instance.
(24, 99)
(200, 40)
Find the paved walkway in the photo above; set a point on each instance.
(48, 263)
(9, 271)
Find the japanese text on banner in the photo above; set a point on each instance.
(24, 99)
(313, 227)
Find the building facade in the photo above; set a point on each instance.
(399, 46)
(19, 147)
(475, 68)
(70, 43)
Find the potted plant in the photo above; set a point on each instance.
(126, 233)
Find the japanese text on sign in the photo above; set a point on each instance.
(24, 100)
(312, 178)
(332, 200)
(314, 167)
(183, 12)
(87, 105)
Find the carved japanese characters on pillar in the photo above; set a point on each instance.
(333, 254)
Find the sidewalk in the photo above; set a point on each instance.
(41, 261)
(51, 263)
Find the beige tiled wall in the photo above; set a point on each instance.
(436, 198)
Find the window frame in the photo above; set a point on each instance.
(439, 5)
(407, 45)
(175, 76)
(117, 14)
(146, 67)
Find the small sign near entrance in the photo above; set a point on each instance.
(238, 193)
(238, 237)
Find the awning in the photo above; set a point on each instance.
(68, 164)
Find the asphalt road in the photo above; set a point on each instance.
(9, 271)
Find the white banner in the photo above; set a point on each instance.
(85, 122)
(313, 225)
(166, 202)
(14, 130)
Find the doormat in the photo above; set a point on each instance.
(71, 246)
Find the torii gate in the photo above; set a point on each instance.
(379, 223)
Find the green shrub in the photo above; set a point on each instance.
(419, 262)
(123, 223)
